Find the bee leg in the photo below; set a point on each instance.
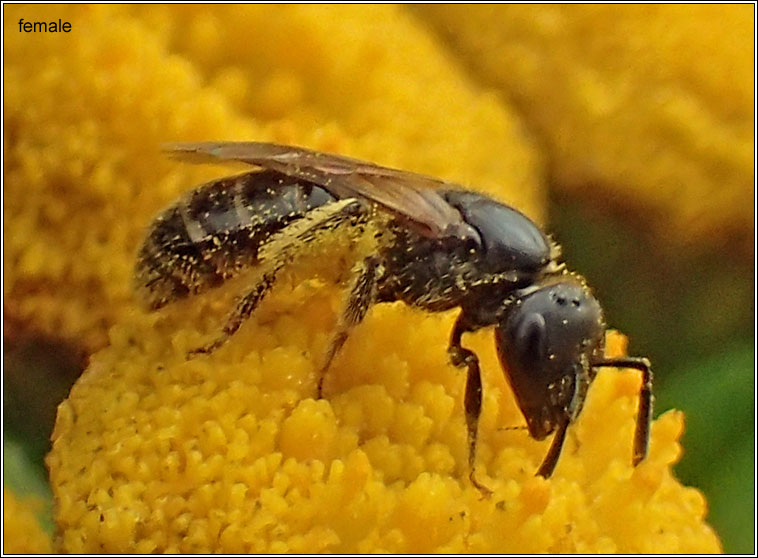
(245, 307)
(645, 409)
(460, 357)
(318, 221)
(362, 296)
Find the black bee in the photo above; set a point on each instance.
(444, 247)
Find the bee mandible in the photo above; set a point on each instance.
(445, 247)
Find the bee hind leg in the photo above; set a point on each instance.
(284, 248)
(244, 309)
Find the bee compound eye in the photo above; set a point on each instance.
(530, 338)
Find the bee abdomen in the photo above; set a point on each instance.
(214, 232)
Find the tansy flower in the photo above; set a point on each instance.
(233, 453)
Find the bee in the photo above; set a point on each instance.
(441, 247)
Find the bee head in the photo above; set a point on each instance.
(546, 338)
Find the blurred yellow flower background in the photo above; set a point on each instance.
(652, 106)
(232, 453)
(23, 534)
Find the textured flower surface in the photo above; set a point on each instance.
(231, 452)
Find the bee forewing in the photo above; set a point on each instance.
(413, 197)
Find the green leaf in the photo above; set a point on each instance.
(26, 478)
(716, 395)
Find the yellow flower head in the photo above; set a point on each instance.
(232, 452)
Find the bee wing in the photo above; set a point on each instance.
(412, 197)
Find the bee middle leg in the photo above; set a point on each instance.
(460, 356)
(362, 296)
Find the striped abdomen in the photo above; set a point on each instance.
(214, 232)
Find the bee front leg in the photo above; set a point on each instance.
(645, 410)
(362, 296)
(460, 357)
